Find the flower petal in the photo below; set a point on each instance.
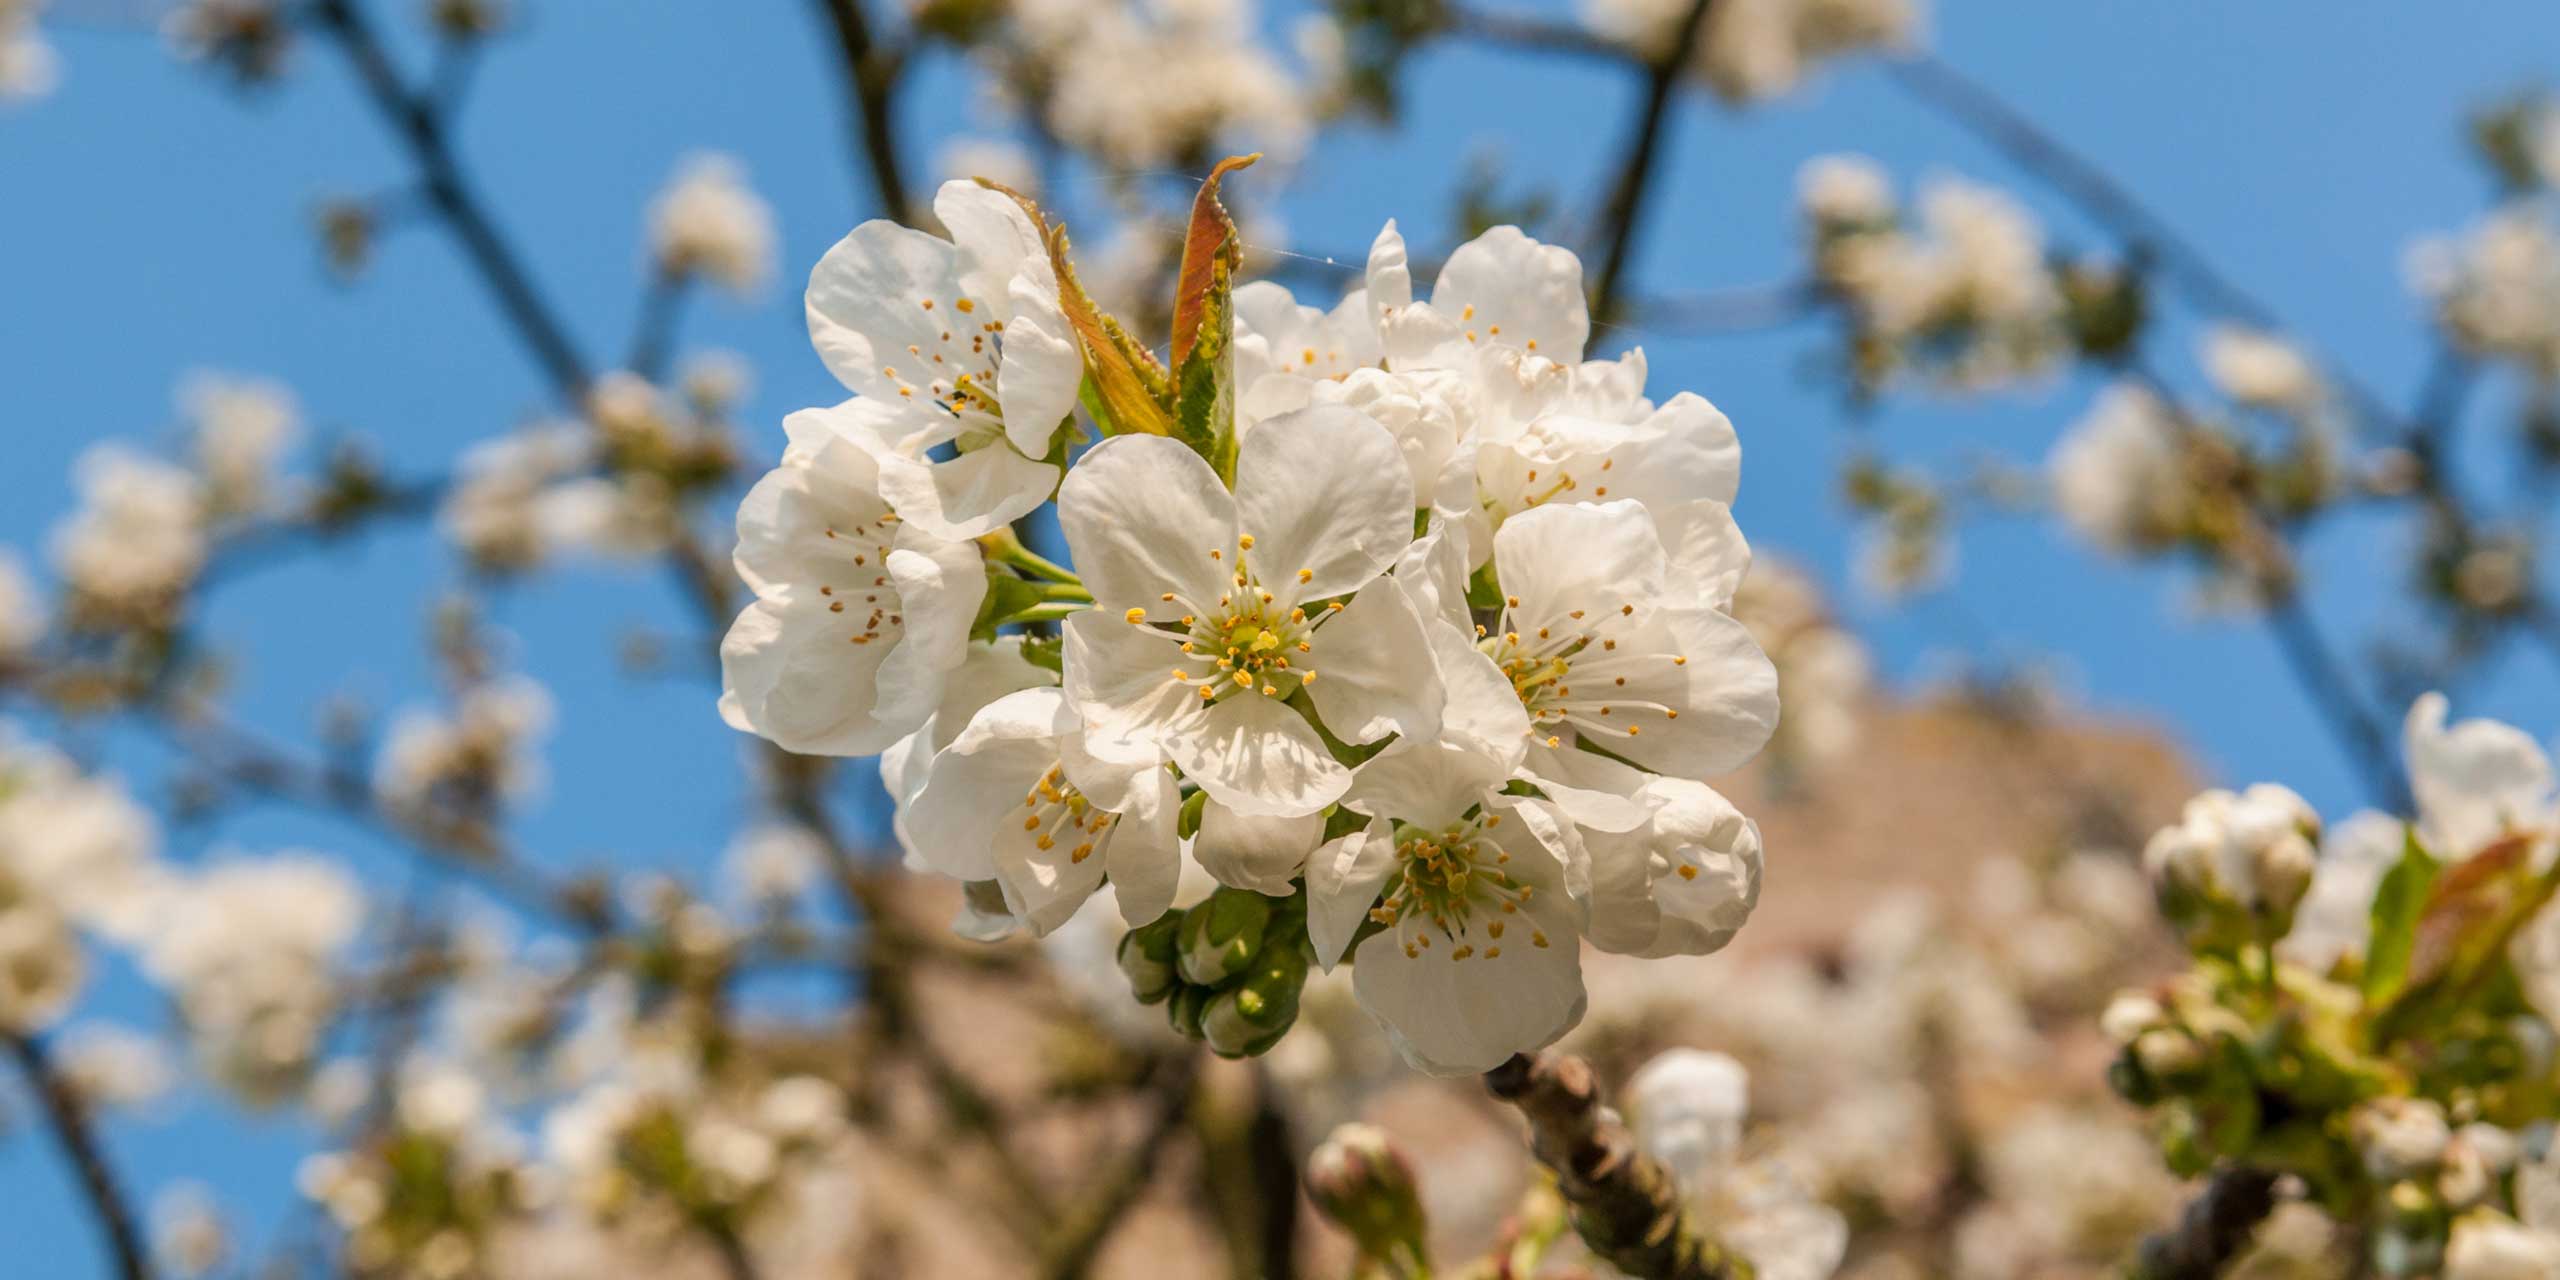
(1120, 680)
(1259, 853)
(1462, 1017)
(882, 303)
(1503, 287)
(1343, 880)
(1258, 756)
(1144, 858)
(1144, 515)
(1327, 498)
(1371, 671)
(969, 496)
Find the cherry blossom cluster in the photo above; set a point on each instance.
(1755, 49)
(2371, 1009)
(1401, 610)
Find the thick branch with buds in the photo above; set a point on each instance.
(1624, 1203)
(2213, 1232)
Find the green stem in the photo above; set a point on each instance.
(1005, 547)
(1053, 612)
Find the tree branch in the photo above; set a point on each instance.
(871, 76)
(68, 1117)
(2214, 1230)
(1623, 1202)
(1635, 170)
(420, 123)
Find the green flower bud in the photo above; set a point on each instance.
(1250, 1018)
(1183, 1008)
(1220, 936)
(1147, 959)
(1364, 1184)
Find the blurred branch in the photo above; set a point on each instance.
(1739, 309)
(2110, 203)
(1636, 169)
(871, 76)
(68, 1117)
(1531, 32)
(2323, 675)
(420, 121)
(1086, 1224)
(654, 336)
(2214, 1230)
(1624, 1203)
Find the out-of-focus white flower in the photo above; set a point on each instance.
(29, 67)
(1824, 671)
(2253, 848)
(2497, 290)
(110, 1065)
(2475, 782)
(2336, 916)
(478, 755)
(2120, 476)
(1146, 86)
(2488, 1246)
(519, 499)
(247, 947)
(998, 160)
(1689, 1106)
(79, 842)
(41, 966)
(709, 222)
(2400, 1137)
(2260, 369)
(2065, 1185)
(188, 1231)
(138, 540)
(773, 864)
(240, 426)
(1964, 292)
(1845, 191)
(1755, 49)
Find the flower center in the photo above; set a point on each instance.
(1446, 880)
(1250, 638)
(1055, 810)
(863, 584)
(1567, 673)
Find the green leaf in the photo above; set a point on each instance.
(2397, 906)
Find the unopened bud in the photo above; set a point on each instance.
(1146, 959)
(1361, 1181)
(1183, 1008)
(1251, 1018)
(1220, 935)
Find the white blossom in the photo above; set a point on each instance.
(138, 540)
(1755, 49)
(479, 754)
(1689, 1106)
(1146, 85)
(2475, 781)
(29, 68)
(2497, 290)
(858, 615)
(2254, 848)
(2120, 475)
(1215, 608)
(240, 427)
(708, 221)
(1478, 956)
(2260, 369)
(248, 947)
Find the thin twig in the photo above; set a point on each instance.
(68, 1116)
(2321, 673)
(655, 334)
(1636, 169)
(420, 122)
(871, 76)
(1085, 1225)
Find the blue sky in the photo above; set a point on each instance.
(152, 222)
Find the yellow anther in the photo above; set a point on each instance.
(1245, 678)
(1306, 575)
(1136, 616)
(1688, 872)
(1244, 541)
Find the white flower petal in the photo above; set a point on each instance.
(867, 308)
(1463, 1017)
(1258, 756)
(1503, 287)
(969, 496)
(1120, 680)
(1343, 880)
(1259, 853)
(1144, 858)
(1041, 370)
(1143, 515)
(1372, 670)
(1326, 497)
